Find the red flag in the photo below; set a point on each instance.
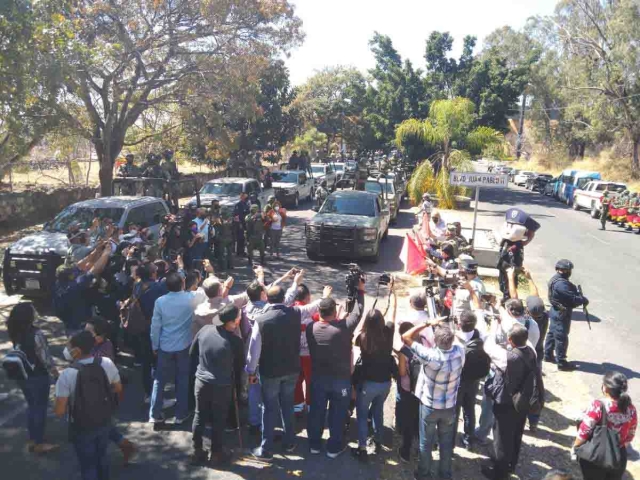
(413, 256)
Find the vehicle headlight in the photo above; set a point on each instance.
(369, 234)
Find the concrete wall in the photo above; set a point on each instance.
(41, 204)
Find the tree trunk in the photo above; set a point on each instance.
(519, 141)
(635, 162)
(105, 175)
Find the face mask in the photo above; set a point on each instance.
(66, 353)
(566, 275)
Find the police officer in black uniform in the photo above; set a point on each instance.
(564, 297)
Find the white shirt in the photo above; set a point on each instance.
(420, 317)
(203, 227)
(438, 231)
(507, 321)
(276, 221)
(462, 298)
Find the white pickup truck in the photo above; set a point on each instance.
(590, 197)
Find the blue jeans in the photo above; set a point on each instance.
(371, 394)
(91, 449)
(277, 397)
(432, 423)
(485, 424)
(255, 404)
(36, 393)
(180, 360)
(337, 392)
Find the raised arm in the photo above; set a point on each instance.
(513, 288)
(533, 288)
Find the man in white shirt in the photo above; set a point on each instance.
(468, 271)
(514, 312)
(437, 227)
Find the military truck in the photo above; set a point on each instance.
(349, 224)
(227, 191)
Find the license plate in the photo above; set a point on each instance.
(32, 284)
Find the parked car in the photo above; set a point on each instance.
(227, 191)
(521, 178)
(513, 173)
(350, 224)
(389, 193)
(291, 186)
(324, 172)
(538, 182)
(590, 197)
(30, 264)
(574, 182)
(550, 187)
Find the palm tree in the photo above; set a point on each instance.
(450, 129)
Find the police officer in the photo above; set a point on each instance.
(604, 214)
(564, 297)
(255, 233)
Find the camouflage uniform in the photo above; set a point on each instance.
(604, 214)
(255, 233)
(128, 170)
(151, 169)
(224, 242)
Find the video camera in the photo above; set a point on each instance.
(351, 280)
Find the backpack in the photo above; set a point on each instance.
(413, 368)
(93, 399)
(477, 363)
(17, 365)
(529, 397)
(132, 317)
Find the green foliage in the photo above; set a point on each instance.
(311, 140)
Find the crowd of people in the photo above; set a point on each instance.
(277, 351)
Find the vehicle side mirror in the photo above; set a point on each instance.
(315, 208)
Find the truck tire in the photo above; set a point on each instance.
(296, 201)
(376, 256)
(594, 211)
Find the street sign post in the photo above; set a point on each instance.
(478, 180)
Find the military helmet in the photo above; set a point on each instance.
(254, 208)
(605, 193)
(151, 157)
(272, 198)
(168, 153)
(564, 264)
(129, 156)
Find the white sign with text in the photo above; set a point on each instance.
(477, 179)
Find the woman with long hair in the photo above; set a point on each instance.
(31, 341)
(372, 377)
(621, 416)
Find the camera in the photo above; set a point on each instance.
(351, 280)
(385, 279)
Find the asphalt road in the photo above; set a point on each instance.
(607, 265)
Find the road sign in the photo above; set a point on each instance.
(477, 179)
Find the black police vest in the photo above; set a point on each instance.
(280, 332)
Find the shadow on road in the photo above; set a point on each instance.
(602, 368)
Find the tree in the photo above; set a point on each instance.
(125, 57)
(311, 141)
(600, 46)
(331, 101)
(30, 79)
(450, 129)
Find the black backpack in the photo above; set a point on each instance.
(93, 399)
(529, 397)
(476, 362)
(17, 365)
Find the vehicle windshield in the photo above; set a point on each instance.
(83, 217)
(285, 177)
(317, 169)
(379, 187)
(338, 167)
(230, 189)
(349, 206)
(611, 186)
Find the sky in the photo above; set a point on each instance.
(338, 31)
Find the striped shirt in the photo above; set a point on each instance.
(439, 378)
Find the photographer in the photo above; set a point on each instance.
(467, 273)
(170, 240)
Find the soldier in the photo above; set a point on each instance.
(564, 297)
(170, 173)
(224, 241)
(463, 243)
(321, 193)
(266, 214)
(240, 212)
(604, 214)
(294, 161)
(621, 205)
(152, 170)
(128, 170)
(255, 233)
(215, 209)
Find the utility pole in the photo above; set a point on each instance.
(520, 139)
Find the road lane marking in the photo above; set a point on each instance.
(598, 239)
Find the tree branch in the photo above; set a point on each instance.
(147, 137)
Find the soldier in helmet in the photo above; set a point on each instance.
(170, 173)
(153, 170)
(128, 170)
(255, 233)
(604, 213)
(564, 297)
(321, 193)
(224, 241)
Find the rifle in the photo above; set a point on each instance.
(584, 308)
